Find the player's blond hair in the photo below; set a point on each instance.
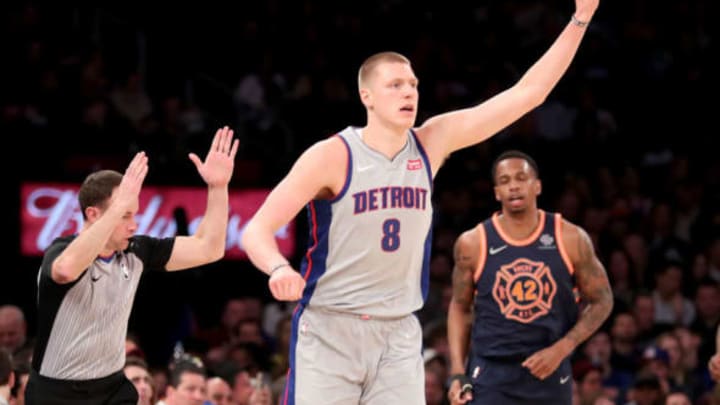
(368, 67)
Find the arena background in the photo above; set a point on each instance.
(626, 143)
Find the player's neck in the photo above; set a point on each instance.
(387, 141)
(520, 225)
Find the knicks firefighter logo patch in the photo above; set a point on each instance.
(524, 290)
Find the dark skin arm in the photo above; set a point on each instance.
(466, 254)
(595, 290)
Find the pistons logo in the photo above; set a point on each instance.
(524, 290)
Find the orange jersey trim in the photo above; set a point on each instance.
(514, 242)
(482, 254)
(561, 244)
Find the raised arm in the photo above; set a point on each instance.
(318, 173)
(446, 133)
(459, 321)
(207, 244)
(86, 247)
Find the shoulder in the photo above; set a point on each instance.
(471, 239)
(144, 245)
(57, 246)
(575, 239)
(332, 150)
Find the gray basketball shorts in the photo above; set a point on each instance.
(346, 359)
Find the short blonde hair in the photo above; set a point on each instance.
(367, 67)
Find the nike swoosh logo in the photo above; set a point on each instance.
(364, 168)
(565, 379)
(495, 250)
(94, 279)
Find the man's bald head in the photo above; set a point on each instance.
(13, 328)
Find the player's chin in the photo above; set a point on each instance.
(516, 209)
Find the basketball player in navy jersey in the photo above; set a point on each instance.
(513, 318)
(355, 339)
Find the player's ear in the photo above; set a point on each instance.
(538, 187)
(497, 194)
(92, 212)
(365, 97)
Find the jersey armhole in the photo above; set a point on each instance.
(482, 253)
(561, 244)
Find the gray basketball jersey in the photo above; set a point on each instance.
(369, 248)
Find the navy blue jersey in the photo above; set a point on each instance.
(525, 298)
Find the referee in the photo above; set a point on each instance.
(87, 282)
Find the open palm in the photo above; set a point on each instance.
(217, 168)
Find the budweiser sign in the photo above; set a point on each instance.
(51, 210)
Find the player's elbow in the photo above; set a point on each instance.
(531, 96)
(246, 236)
(62, 273)
(216, 253)
(250, 234)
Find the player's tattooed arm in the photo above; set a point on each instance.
(595, 291)
(466, 254)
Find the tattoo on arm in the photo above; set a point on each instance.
(594, 288)
(462, 278)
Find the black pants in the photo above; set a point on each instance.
(114, 389)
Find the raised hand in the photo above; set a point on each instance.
(218, 166)
(129, 188)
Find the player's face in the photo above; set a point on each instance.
(393, 94)
(516, 185)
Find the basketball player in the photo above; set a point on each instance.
(87, 282)
(513, 284)
(367, 192)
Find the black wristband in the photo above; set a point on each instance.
(465, 381)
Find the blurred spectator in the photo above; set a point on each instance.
(677, 398)
(187, 385)
(219, 391)
(136, 370)
(13, 328)
(671, 307)
(7, 376)
(22, 373)
(645, 391)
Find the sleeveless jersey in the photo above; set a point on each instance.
(369, 247)
(525, 298)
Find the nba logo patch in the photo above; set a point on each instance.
(414, 164)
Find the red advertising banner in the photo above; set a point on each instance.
(49, 210)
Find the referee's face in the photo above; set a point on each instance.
(126, 228)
